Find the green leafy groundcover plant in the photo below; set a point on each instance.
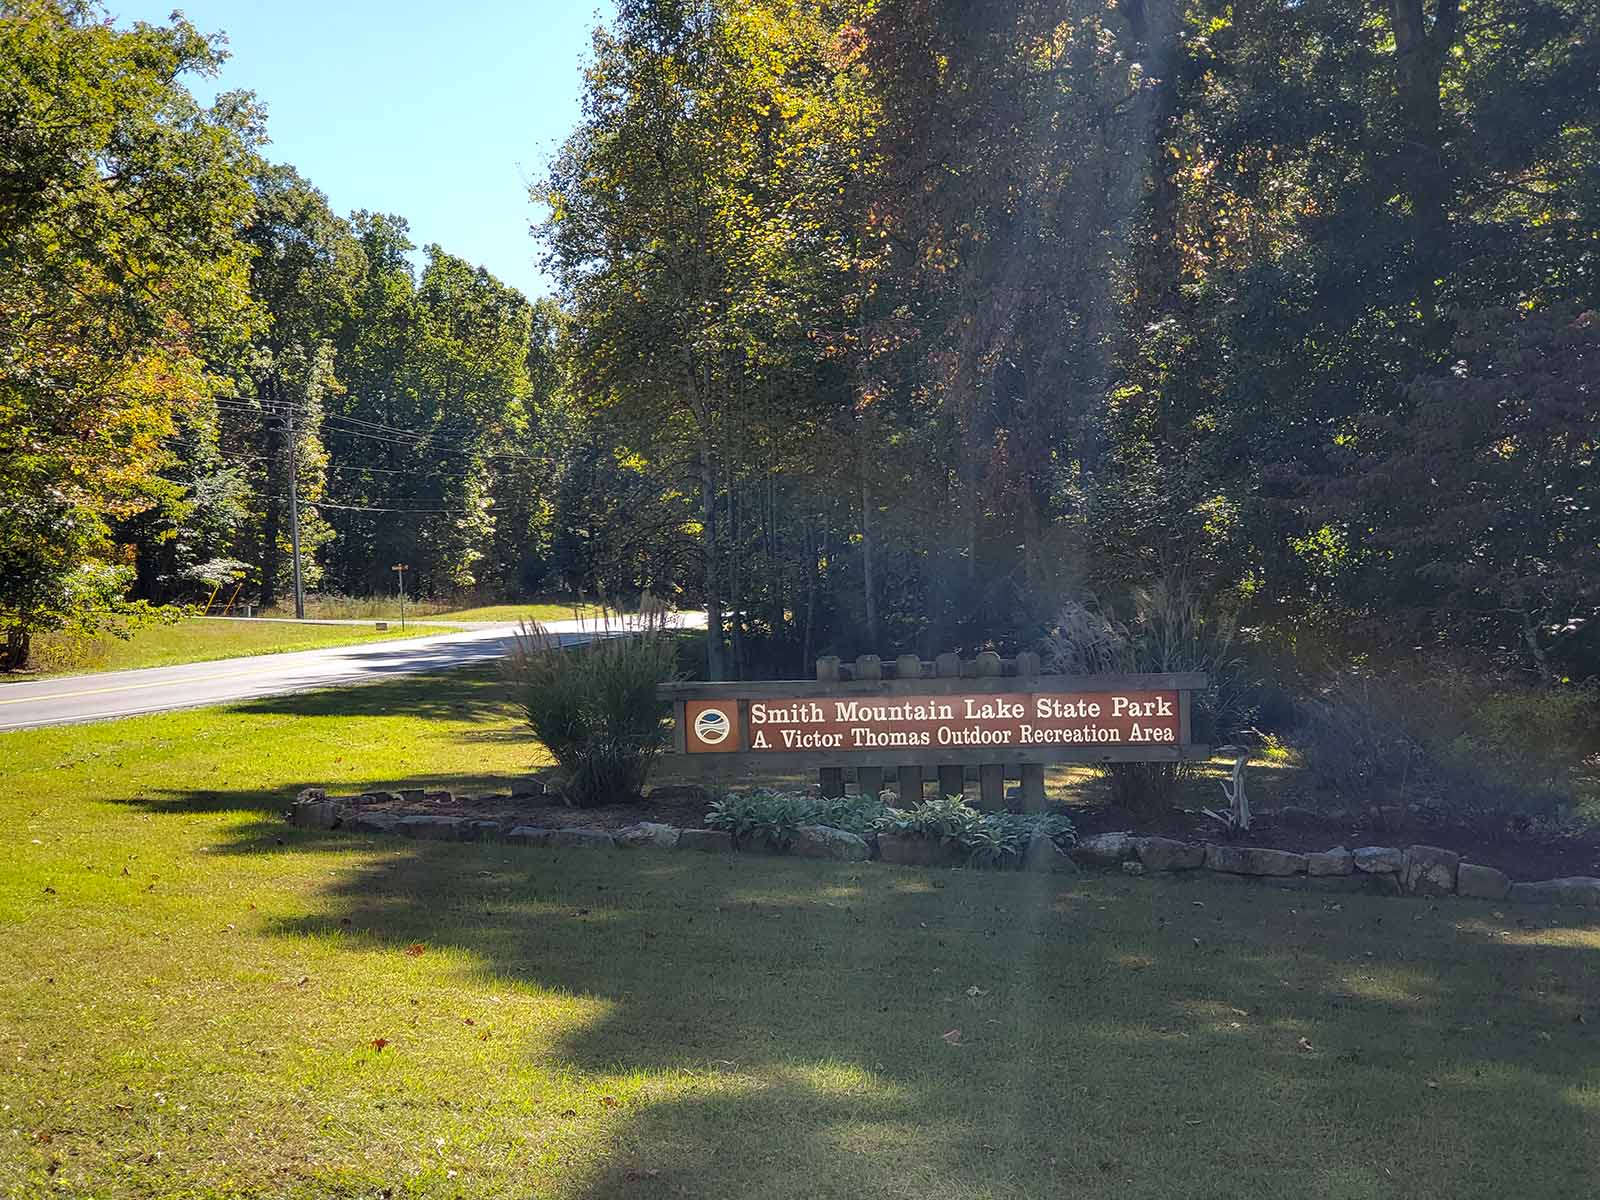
(770, 817)
(990, 838)
(766, 816)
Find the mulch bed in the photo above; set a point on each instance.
(1522, 856)
(672, 806)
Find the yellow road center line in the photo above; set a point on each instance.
(129, 687)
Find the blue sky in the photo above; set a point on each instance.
(440, 112)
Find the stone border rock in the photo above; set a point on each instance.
(1386, 870)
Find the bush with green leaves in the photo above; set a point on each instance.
(769, 817)
(989, 838)
(595, 708)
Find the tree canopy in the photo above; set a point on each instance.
(881, 325)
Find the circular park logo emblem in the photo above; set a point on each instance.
(712, 726)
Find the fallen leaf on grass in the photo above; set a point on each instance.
(302, 981)
(379, 1043)
(952, 1036)
(609, 1101)
(1305, 1044)
(416, 948)
(975, 991)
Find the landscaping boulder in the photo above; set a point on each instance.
(581, 837)
(824, 841)
(310, 795)
(1583, 890)
(1168, 854)
(1337, 861)
(1485, 883)
(1378, 860)
(381, 798)
(650, 834)
(1430, 871)
(705, 839)
(910, 850)
(1043, 854)
(412, 795)
(316, 814)
(1105, 849)
(436, 829)
(482, 831)
(373, 822)
(530, 835)
(1253, 860)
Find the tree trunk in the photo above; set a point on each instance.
(1420, 54)
(811, 600)
(735, 578)
(712, 576)
(19, 648)
(271, 516)
(869, 585)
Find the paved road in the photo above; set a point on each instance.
(100, 697)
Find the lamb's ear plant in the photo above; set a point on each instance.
(594, 706)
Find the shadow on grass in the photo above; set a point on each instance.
(469, 693)
(853, 1029)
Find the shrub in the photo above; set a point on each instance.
(1169, 629)
(594, 707)
(1456, 745)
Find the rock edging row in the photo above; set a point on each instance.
(1386, 870)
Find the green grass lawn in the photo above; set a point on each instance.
(198, 1001)
(196, 640)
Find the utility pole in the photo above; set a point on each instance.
(294, 518)
(400, 570)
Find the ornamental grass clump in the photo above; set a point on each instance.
(595, 708)
(1169, 628)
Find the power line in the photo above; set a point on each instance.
(464, 512)
(412, 439)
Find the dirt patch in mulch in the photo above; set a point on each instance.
(1523, 856)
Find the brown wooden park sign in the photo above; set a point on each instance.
(1001, 715)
